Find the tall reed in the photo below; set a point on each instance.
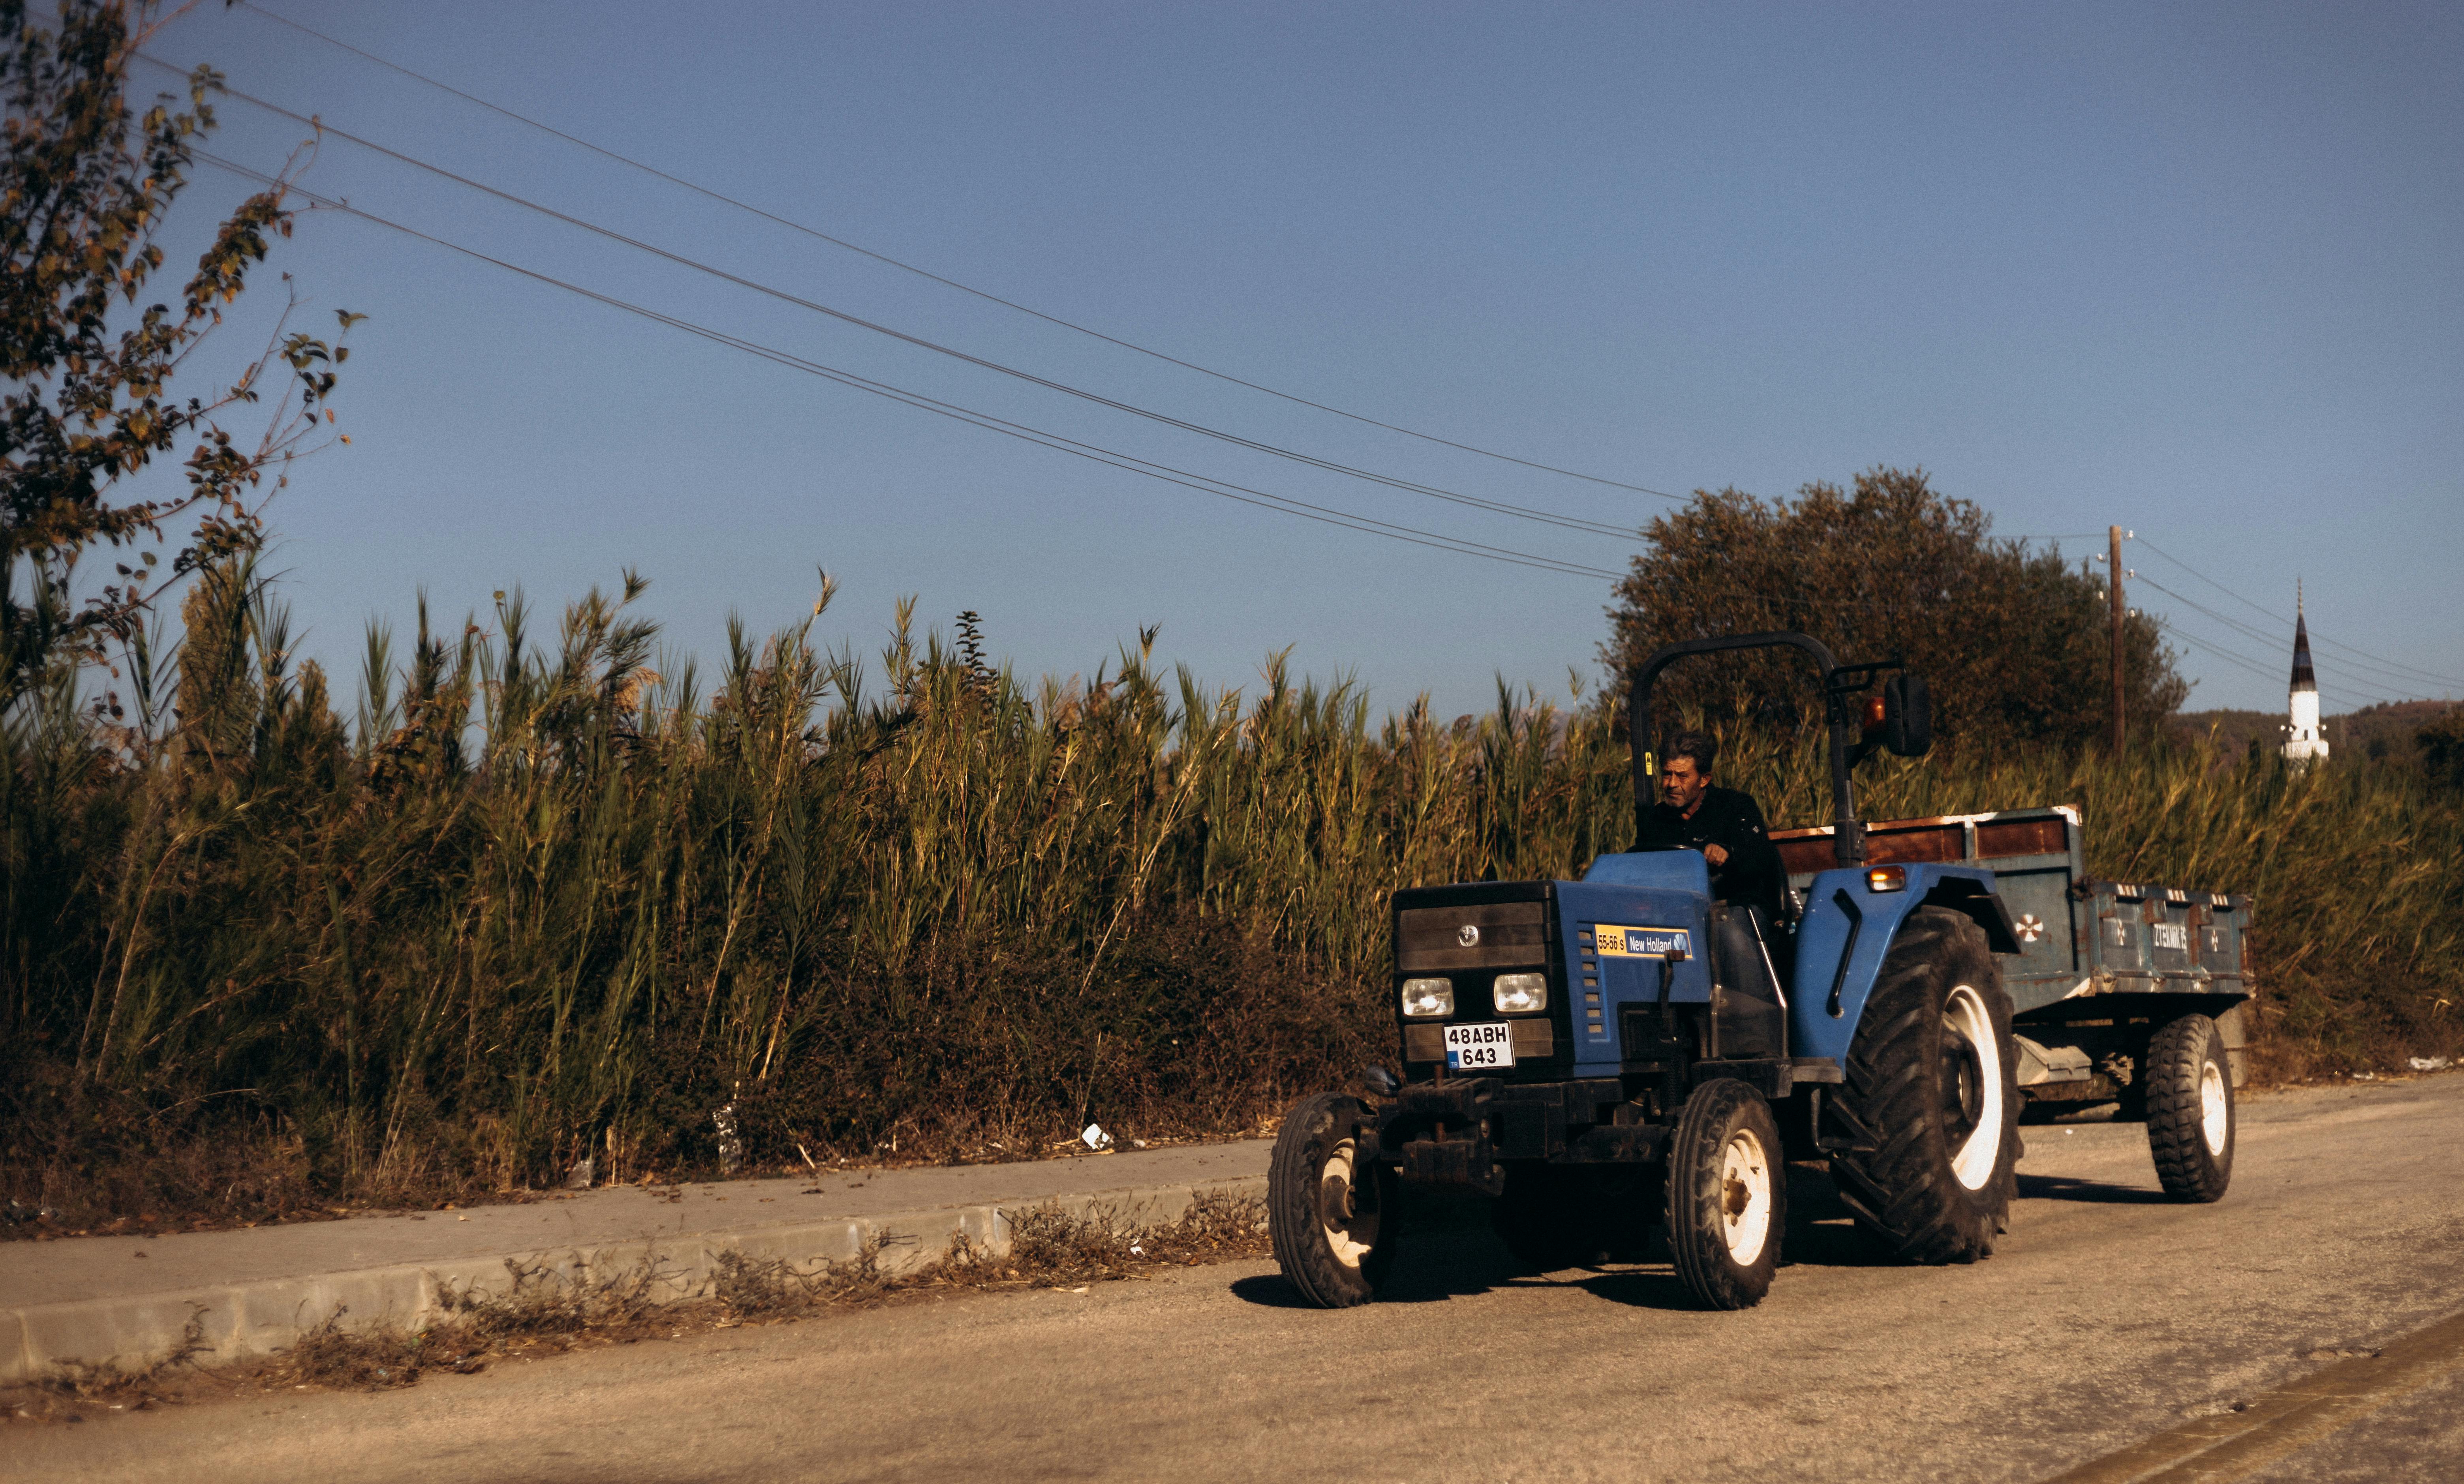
(549, 898)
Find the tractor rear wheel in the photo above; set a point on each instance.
(2190, 1109)
(1930, 1073)
(1332, 1208)
(1727, 1194)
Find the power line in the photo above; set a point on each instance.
(964, 414)
(2361, 658)
(1168, 473)
(1575, 523)
(1105, 455)
(926, 273)
(2350, 699)
(2258, 668)
(1024, 432)
(2235, 624)
(2210, 647)
(2325, 644)
(2366, 671)
(1498, 507)
(2261, 637)
(2340, 694)
(1096, 453)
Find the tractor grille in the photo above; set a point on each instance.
(1501, 934)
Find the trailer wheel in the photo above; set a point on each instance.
(1930, 1073)
(2190, 1109)
(1330, 1209)
(1727, 1194)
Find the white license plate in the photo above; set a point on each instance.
(1473, 1048)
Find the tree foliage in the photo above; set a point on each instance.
(2015, 644)
(2441, 744)
(85, 186)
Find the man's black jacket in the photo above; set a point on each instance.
(1726, 817)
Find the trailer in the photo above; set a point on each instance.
(2127, 993)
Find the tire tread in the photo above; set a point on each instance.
(1292, 1174)
(1693, 1196)
(2175, 1138)
(1903, 1191)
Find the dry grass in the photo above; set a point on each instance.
(76, 1389)
(547, 1313)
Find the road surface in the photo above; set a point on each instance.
(2111, 1336)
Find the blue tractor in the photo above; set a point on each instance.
(1605, 1054)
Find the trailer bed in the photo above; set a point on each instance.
(2090, 951)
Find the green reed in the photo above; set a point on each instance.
(554, 896)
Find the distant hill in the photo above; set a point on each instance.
(2233, 731)
(2384, 731)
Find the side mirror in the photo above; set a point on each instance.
(1908, 715)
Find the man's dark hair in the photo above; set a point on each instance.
(1695, 745)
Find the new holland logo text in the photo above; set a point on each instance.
(1641, 942)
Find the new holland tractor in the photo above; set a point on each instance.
(1599, 1054)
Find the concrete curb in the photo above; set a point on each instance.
(240, 1321)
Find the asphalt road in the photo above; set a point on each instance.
(2110, 1321)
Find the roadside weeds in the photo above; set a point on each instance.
(548, 1313)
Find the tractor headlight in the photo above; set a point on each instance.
(1519, 994)
(1423, 999)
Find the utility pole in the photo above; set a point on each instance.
(2113, 561)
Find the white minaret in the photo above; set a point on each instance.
(2302, 738)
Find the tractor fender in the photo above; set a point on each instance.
(1847, 931)
(1981, 902)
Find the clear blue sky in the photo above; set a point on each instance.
(2193, 269)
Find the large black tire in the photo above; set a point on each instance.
(1727, 1194)
(1333, 1230)
(1931, 1074)
(2190, 1109)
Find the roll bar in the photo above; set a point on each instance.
(1839, 683)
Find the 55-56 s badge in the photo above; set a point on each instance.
(1614, 941)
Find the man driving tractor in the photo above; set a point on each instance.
(1725, 824)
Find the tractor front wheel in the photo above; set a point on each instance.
(1727, 1194)
(1332, 1208)
(2190, 1109)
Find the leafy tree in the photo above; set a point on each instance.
(2015, 644)
(85, 185)
(2442, 750)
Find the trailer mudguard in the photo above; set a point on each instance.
(1847, 931)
